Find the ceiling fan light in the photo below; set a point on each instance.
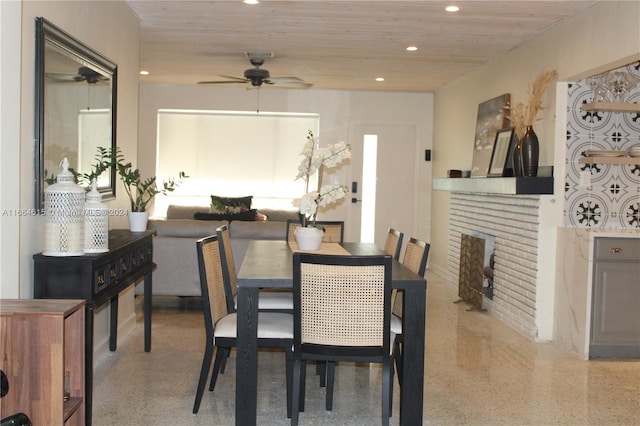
(379, 78)
(412, 48)
(452, 8)
(250, 1)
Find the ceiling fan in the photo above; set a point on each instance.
(257, 76)
(84, 74)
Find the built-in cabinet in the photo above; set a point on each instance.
(43, 357)
(597, 292)
(615, 312)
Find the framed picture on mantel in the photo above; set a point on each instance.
(491, 118)
(501, 149)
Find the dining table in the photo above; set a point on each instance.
(268, 264)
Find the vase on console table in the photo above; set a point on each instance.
(308, 237)
(138, 221)
(530, 153)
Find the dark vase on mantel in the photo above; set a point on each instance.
(530, 153)
(517, 158)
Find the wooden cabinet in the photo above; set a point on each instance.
(41, 342)
(615, 317)
(98, 279)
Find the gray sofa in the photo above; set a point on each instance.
(174, 245)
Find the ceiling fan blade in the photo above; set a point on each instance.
(286, 79)
(289, 84)
(67, 78)
(223, 82)
(232, 80)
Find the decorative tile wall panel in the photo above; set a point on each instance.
(612, 197)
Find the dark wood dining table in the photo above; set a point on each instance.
(269, 265)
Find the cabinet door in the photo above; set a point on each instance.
(615, 323)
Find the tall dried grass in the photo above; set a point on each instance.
(521, 115)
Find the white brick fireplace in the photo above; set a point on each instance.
(514, 221)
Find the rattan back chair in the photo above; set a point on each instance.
(275, 301)
(333, 230)
(342, 309)
(274, 329)
(415, 258)
(393, 243)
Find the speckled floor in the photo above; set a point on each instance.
(478, 372)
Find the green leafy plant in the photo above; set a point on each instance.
(103, 163)
(141, 191)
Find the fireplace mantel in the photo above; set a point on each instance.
(496, 185)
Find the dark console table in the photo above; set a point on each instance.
(98, 279)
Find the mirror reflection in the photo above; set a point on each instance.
(75, 113)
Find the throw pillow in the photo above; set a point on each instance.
(230, 204)
(247, 216)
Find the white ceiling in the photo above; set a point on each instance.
(340, 45)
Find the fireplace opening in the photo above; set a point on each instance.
(477, 261)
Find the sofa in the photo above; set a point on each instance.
(174, 244)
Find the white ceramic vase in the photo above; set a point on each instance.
(138, 221)
(308, 238)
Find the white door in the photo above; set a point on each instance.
(393, 175)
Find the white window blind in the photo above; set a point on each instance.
(231, 153)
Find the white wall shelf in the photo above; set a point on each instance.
(610, 160)
(611, 107)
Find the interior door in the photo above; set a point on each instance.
(394, 178)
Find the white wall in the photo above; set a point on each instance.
(604, 36)
(23, 236)
(9, 146)
(337, 110)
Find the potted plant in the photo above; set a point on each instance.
(316, 159)
(140, 191)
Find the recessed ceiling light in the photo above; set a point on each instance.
(412, 48)
(250, 1)
(144, 72)
(452, 8)
(380, 79)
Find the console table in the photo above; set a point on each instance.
(98, 279)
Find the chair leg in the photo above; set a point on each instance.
(321, 370)
(303, 385)
(397, 356)
(391, 369)
(331, 370)
(204, 373)
(221, 354)
(224, 362)
(386, 384)
(296, 393)
(289, 368)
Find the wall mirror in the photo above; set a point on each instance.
(75, 108)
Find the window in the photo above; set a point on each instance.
(232, 153)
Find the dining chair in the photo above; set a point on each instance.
(341, 312)
(393, 243)
(333, 230)
(275, 329)
(415, 259)
(333, 233)
(276, 301)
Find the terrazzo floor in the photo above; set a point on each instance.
(478, 371)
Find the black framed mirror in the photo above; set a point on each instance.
(75, 108)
